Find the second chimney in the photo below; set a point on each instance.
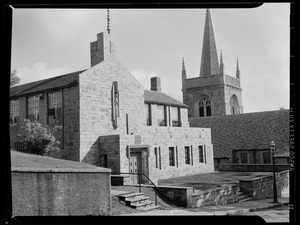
(155, 84)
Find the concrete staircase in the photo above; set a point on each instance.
(244, 197)
(138, 201)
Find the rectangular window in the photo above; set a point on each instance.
(244, 157)
(266, 157)
(171, 156)
(175, 116)
(192, 158)
(187, 155)
(177, 156)
(161, 115)
(156, 157)
(201, 154)
(54, 108)
(14, 111)
(33, 107)
(159, 158)
(148, 114)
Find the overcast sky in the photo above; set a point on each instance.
(152, 42)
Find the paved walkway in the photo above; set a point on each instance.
(229, 209)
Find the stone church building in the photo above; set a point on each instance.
(215, 101)
(109, 120)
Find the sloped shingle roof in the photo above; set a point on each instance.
(71, 79)
(161, 98)
(247, 131)
(46, 84)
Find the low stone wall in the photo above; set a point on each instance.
(218, 196)
(190, 198)
(178, 195)
(260, 188)
(250, 167)
(60, 191)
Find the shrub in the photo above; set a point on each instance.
(39, 139)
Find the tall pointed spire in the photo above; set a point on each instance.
(209, 58)
(221, 63)
(183, 73)
(237, 69)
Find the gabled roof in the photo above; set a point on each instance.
(161, 98)
(46, 84)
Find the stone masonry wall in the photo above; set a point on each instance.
(260, 188)
(164, 137)
(95, 88)
(71, 124)
(192, 96)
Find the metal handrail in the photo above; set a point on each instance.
(158, 190)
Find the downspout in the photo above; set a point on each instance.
(62, 119)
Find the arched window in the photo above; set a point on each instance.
(234, 105)
(204, 107)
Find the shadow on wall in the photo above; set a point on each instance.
(93, 155)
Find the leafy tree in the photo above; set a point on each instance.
(14, 79)
(39, 139)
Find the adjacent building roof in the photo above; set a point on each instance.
(157, 97)
(46, 84)
(247, 131)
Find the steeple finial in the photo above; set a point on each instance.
(237, 69)
(108, 22)
(209, 59)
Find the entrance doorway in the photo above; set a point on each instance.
(135, 166)
(138, 163)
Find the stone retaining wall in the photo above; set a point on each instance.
(60, 192)
(218, 196)
(260, 188)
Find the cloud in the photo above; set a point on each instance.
(39, 71)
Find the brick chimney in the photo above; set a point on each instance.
(155, 84)
(100, 49)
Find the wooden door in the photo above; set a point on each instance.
(135, 166)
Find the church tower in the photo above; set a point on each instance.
(212, 93)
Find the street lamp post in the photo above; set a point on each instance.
(273, 148)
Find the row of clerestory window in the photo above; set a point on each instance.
(54, 108)
(173, 119)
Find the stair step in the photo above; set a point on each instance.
(148, 208)
(130, 195)
(246, 199)
(137, 199)
(142, 204)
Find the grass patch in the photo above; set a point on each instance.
(20, 159)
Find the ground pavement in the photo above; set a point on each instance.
(229, 209)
